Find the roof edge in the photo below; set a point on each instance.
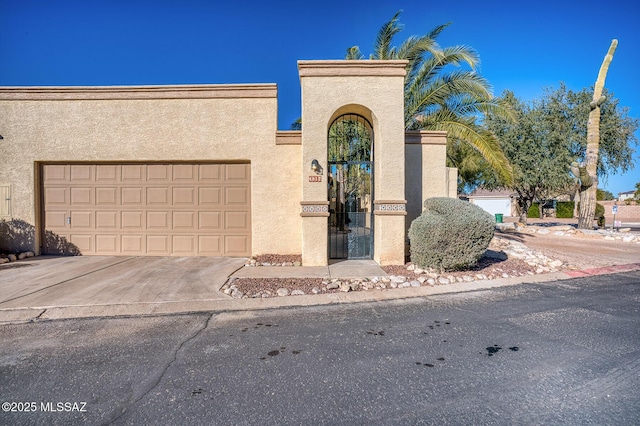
(192, 91)
(360, 67)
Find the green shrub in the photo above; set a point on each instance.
(564, 209)
(599, 215)
(534, 211)
(450, 234)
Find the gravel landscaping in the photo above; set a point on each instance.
(506, 257)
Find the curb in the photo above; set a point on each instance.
(50, 313)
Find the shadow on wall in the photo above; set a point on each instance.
(17, 236)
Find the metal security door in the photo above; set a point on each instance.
(350, 221)
(350, 188)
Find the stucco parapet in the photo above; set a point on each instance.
(425, 137)
(352, 68)
(289, 137)
(217, 91)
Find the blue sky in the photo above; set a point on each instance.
(525, 46)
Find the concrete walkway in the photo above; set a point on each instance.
(48, 288)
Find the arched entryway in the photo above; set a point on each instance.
(350, 162)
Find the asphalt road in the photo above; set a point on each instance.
(554, 353)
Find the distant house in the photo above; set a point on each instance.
(494, 202)
(627, 195)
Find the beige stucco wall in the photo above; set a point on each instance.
(146, 124)
(452, 182)
(373, 89)
(426, 172)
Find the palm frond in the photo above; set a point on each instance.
(436, 98)
(479, 138)
(446, 90)
(382, 45)
(432, 66)
(354, 53)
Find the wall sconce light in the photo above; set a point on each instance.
(316, 167)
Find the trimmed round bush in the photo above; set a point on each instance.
(450, 234)
(534, 211)
(599, 214)
(564, 209)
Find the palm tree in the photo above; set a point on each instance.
(438, 99)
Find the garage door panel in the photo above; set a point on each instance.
(184, 244)
(56, 173)
(132, 220)
(158, 245)
(107, 244)
(81, 219)
(210, 221)
(184, 173)
(236, 196)
(149, 209)
(132, 196)
(158, 197)
(158, 173)
(494, 206)
(56, 196)
(107, 220)
(236, 245)
(81, 196)
(56, 219)
(236, 220)
(107, 196)
(210, 173)
(133, 173)
(81, 173)
(237, 173)
(184, 196)
(84, 242)
(184, 221)
(210, 245)
(107, 173)
(158, 220)
(210, 196)
(132, 244)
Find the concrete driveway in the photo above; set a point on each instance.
(49, 281)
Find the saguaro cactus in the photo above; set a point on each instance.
(586, 172)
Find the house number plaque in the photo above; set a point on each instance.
(315, 178)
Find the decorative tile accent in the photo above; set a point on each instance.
(314, 208)
(390, 207)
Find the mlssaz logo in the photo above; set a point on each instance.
(63, 406)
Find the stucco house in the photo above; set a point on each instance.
(202, 170)
(495, 201)
(627, 195)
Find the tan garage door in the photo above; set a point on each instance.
(147, 209)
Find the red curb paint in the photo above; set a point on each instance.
(577, 274)
(604, 270)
